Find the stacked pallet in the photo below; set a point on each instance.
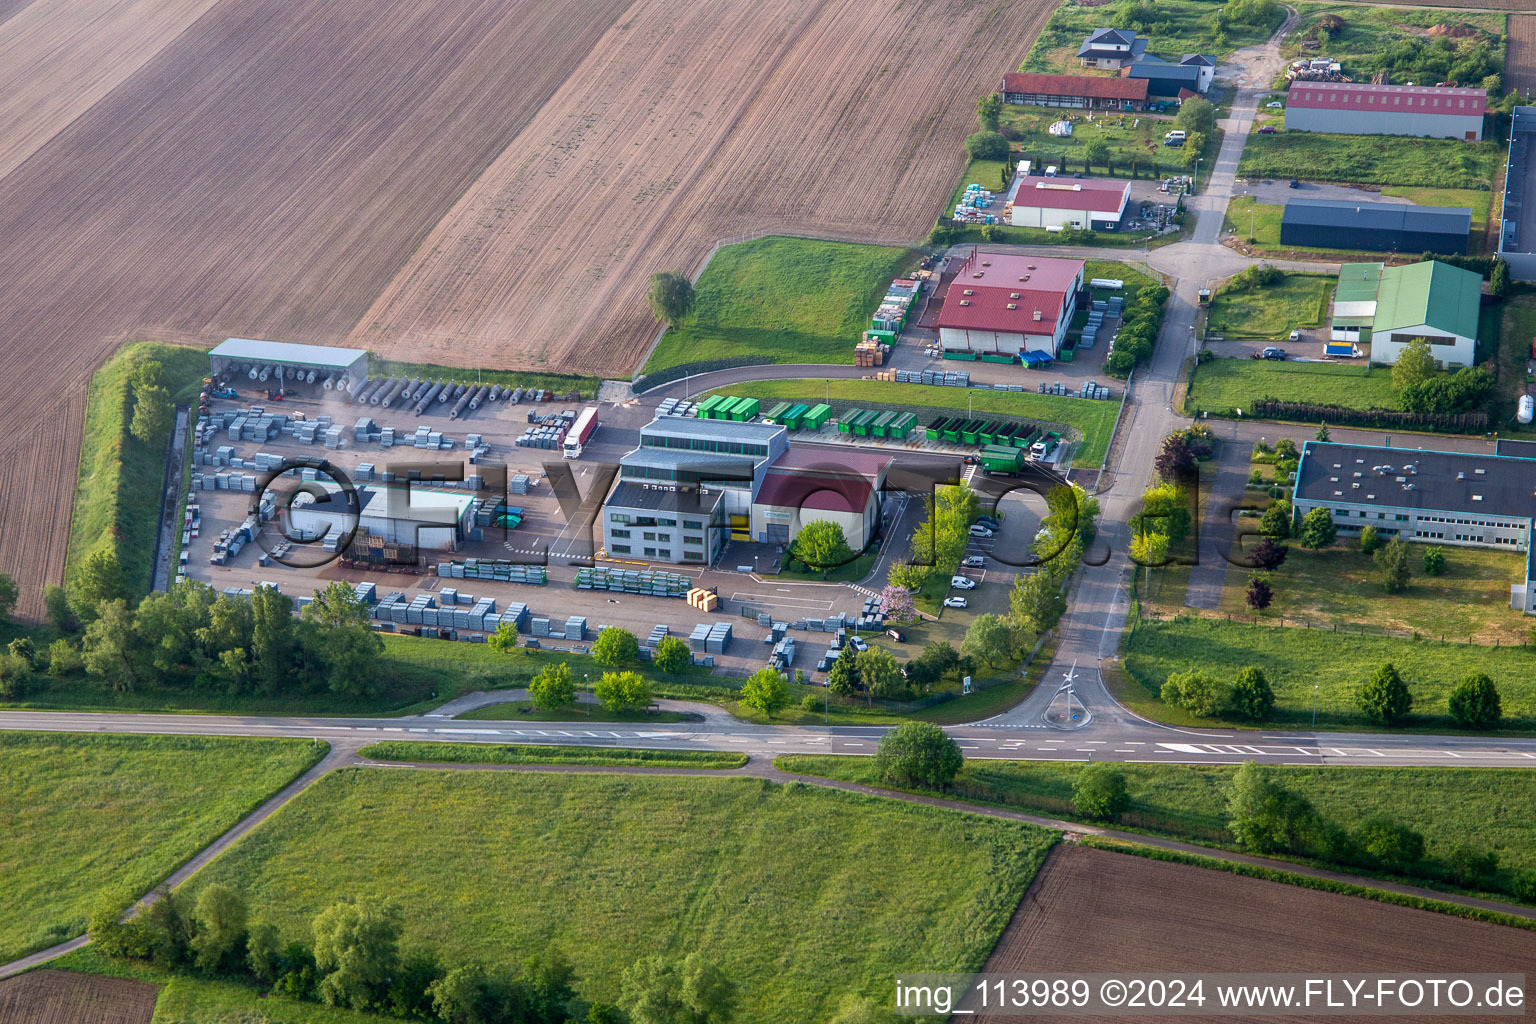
(496, 569)
(868, 353)
(703, 600)
(651, 583)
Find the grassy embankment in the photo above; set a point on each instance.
(739, 867)
(1223, 385)
(85, 812)
(1371, 160)
(562, 382)
(1449, 806)
(117, 496)
(1271, 312)
(490, 753)
(1297, 659)
(790, 300)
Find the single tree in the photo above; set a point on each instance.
(1322, 433)
(898, 603)
(1260, 593)
(1393, 844)
(1317, 528)
(459, 997)
(908, 576)
(357, 950)
(552, 689)
(672, 654)
(1276, 520)
(56, 608)
(1384, 697)
(1175, 463)
(1415, 364)
(410, 990)
(98, 580)
(1263, 815)
(929, 668)
(616, 648)
(1096, 152)
(623, 691)
(111, 651)
(1194, 146)
(1035, 602)
(1196, 692)
(821, 544)
(918, 753)
(767, 691)
(273, 639)
(1099, 791)
(1165, 509)
(1267, 554)
(1392, 559)
(1285, 450)
(843, 675)
(63, 658)
(670, 296)
(1252, 697)
(220, 917)
(989, 640)
(656, 990)
(503, 639)
(880, 674)
(343, 639)
(1473, 867)
(989, 111)
(1475, 702)
(1434, 560)
(986, 146)
(151, 404)
(1370, 540)
(1196, 114)
(1150, 549)
(264, 952)
(15, 676)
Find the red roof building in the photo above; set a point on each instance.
(1358, 108)
(1005, 303)
(811, 483)
(1083, 91)
(1087, 204)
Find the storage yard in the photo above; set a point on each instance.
(132, 133)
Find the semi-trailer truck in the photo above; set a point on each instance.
(580, 433)
(1042, 448)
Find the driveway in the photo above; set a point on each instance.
(1277, 192)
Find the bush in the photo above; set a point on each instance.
(767, 691)
(1390, 843)
(918, 753)
(986, 146)
(1434, 560)
(1524, 887)
(1252, 698)
(615, 648)
(1195, 692)
(1472, 867)
(672, 654)
(1099, 792)
(812, 702)
(1370, 540)
(623, 691)
(1474, 702)
(1384, 697)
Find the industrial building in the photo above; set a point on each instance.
(1191, 76)
(407, 516)
(1517, 226)
(1084, 92)
(811, 485)
(1451, 498)
(1358, 108)
(1009, 304)
(1389, 307)
(1036, 202)
(1375, 227)
(1110, 49)
(283, 364)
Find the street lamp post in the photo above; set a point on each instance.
(1194, 186)
(1314, 706)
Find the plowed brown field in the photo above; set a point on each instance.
(1520, 58)
(59, 997)
(694, 121)
(1093, 911)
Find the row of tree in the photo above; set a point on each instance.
(356, 960)
(1137, 335)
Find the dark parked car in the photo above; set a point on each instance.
(897, 635)
(1295, 183)
(1274, 353)
(1268, 129)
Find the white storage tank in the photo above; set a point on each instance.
(1527, 409)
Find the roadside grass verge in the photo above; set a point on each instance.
(495, 753)
(582, 711)
(117, 493)
(1272, 311)
(1448, 806)
(1297, 659)
(1221, 386)
(561, 382)
(1087, 421)
(740, 867)
(1371, 159)
(1185, 26)
(86, 811)
(789, 300)
(1342, 586)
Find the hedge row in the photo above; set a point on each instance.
(1457, 423)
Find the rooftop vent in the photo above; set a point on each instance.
(1372, 497)
(1031, 266)
(1333, 479)
(1479, 471)
(1477, 497)
(1013, 295)
(969, 292)
(1460, 475)
(1037, 314)
(965, 302)
(1013, 305)
(986, 263)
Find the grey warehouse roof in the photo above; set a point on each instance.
(1377, 216)
(725, 430)
(679, 457)
(660, 499)
(287, 353)
(1424, 481)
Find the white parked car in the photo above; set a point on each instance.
(977, 530)
(954, 602)
(962, 583)
(974, 561)
(1274, 104)
(858, 644)
(1295, 335)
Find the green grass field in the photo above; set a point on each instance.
(791, 300)
(1449, 806)
(1296, 659)
(799, 894)
(1517, 331)
(1093, 422)
(493, 753)
(1339, 585)
(1271, 312)
(1247, 218)
(85, 812)
(1188, 28)
(1222, 385)
(1371, 159)
(117, 496)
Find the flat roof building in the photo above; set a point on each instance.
(1359, 108)
(1453, 498)
(1068, 202)
(248, 358)
(399, 514)
(1375, 226)
(1007, 303)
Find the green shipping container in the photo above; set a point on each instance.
(935, 428)
(818, 416)
(951, 353)
(1024, 437)
(796, 413)
(723, 410)
(866, 419)
(845, 421)
(998, 357)
(882, 424)
(903, 425)
(746, 409)
(776, 414)
(969, 432)
(705, 409)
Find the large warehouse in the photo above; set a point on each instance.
(1068, 202)
(1452, 498)
(406, 515)
(1517, 228)
(281, 363)
(1081, 91)
(1007, 304)
(1389, 307)
(1357, 108)
(1375, 227)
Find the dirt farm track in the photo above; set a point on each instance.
(445, 180)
